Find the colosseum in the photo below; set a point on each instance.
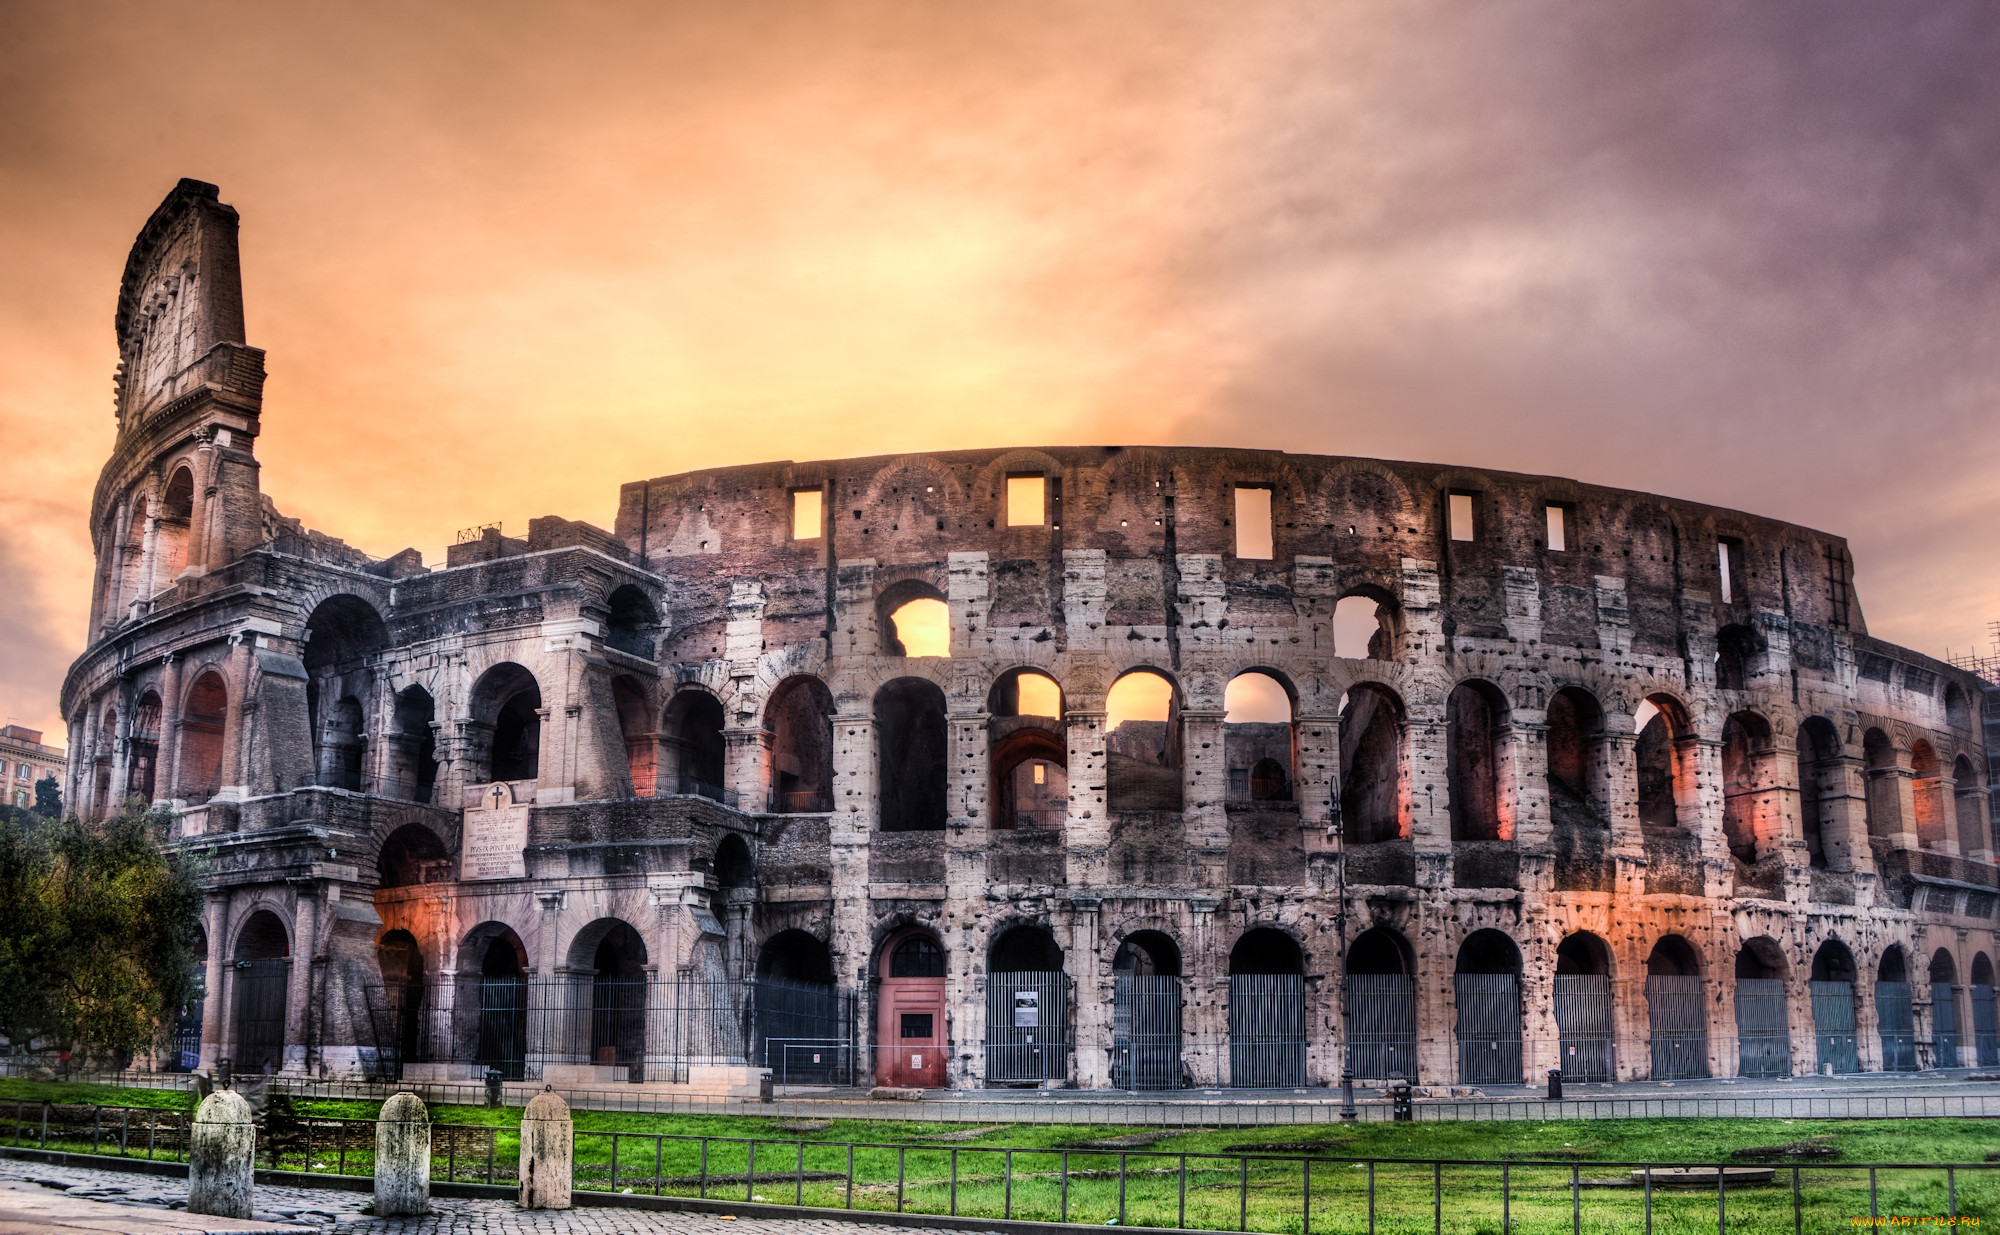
(1095, 767)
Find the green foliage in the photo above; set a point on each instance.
(48, 798)
(98, 923)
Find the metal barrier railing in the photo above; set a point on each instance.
(1235, 1189)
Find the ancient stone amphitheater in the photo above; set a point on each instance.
(1134, 767)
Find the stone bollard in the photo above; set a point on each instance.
(221, 1142)
(403, 1158)
(547, 1150)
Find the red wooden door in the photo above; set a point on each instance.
(910, 1044)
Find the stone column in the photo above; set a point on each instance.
(298, 982)
(856, 808)
(237, 710)
(215, 920)
(1525, 812)
(1969, 807)
(1205, 987)
(1844, 801)
(167, 760)
(1204, 791)
(1698, 803)
(543, 1027)
(1429, 792)
(1087, 830)
(1090, 979)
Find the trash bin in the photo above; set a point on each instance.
(1555, 1084)
(1400, 1096)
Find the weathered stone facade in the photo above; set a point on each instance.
(695, 750)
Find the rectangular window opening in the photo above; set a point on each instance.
(807, 514)
(1253, 522)
(1027, 501)
(1727, 559)
(1461, 516)
(916, 1026)
(1558, 530)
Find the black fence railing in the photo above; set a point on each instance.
(1235, 1189)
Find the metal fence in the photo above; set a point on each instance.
(1267, 1030)
(1146, 1032)
(1763, 1033)
(646, 1031)
(1677, 1020)
(1895, 1014)
(1944, 1020)
(805, 1032)
(1236, 1189)
(1583, 1018)
(1027, 1027)
(1489, 1028)
(1985, 1028)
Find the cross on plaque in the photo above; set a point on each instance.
(500, 795)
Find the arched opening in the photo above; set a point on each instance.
(343, 747)
(1030, 781)
(1142, 743)
(642, 741)
(1486, 984)
(1763, 1026)
(913, 746)
(1583, 1007)
(910, 1034)
(618, 1000)
(1885, 799)
(1371, 769)
(733, 866)
(129, 577)
(1476, 761)
(185, 1055)
(1967, 792)
(629, 622)
(1927, 794)
(1895, 1011)
(506, 726)
(1819, 784)
(1027, 1008)
(170, 544)
(1665, 759)
(1944, 1008)
(396, 1009)
(1832, 986)
(413, 746)
(1257, 737)
(1985, 1022)
(1576, 758)
(1736, 651)
(1381, 990)
(1267, 1011)
(143, 753)
(411, 855)
(262, 975)
(502, 1000)
(803, 1028)
(202, 722)
(1364, 626)
(914, 620)
(798, 722)
(345, 637)
(101, 804)
(1751, 822)
(1029, 770)
(695, 744)
(1146, 1012)
(1676, 1010)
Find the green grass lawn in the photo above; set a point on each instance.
(1043, 1179)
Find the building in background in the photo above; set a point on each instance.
(1068, 766)
(25, 760)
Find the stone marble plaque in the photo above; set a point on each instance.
(496, 838)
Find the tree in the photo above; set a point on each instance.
(98, 924)
(48, 798)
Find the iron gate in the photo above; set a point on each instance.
(1489, 1028)
(694, 1019)
(1899, 1026)
(1027, 1026)
(803, 1031)
(1382, 1025)
(395, 1013)
(1944, 1023)
(1763, 1031)
(1833, 1026)
(1267, 1030)
(503, 1027)
(1985, 1028)
(1677, 1019)
(260, 1014)
(1583, 1024)
(1146, 1031)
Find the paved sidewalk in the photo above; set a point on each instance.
(144, 1205)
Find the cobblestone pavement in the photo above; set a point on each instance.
(328, 1209)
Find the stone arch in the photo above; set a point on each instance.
(1259, 743)
(1927, 794)
(1147, 953)
(173, 532)
(492, 1013)
(1895, 1010)
(413, 763)
(1143, 741)
(1577, 758)
(1737, 652)
(143, 750)
(733, 867)
(1957, 708)
(692, 740)
(630, 620)
(1946, 1031)
(412, 854)
(1967, 816)
(1478, 762)
(1367, 623)
(798, 724)
(1486, 989)
(795, 956)
(1820, 784)
(1373, 734)
(1763, 1022)
(505, 725)
(1884, 803)
(915, 602)
(204, 719)
(260, 985)
(1666, 763)
(1752, 820)
(913, 747)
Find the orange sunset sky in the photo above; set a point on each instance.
(506, 256)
